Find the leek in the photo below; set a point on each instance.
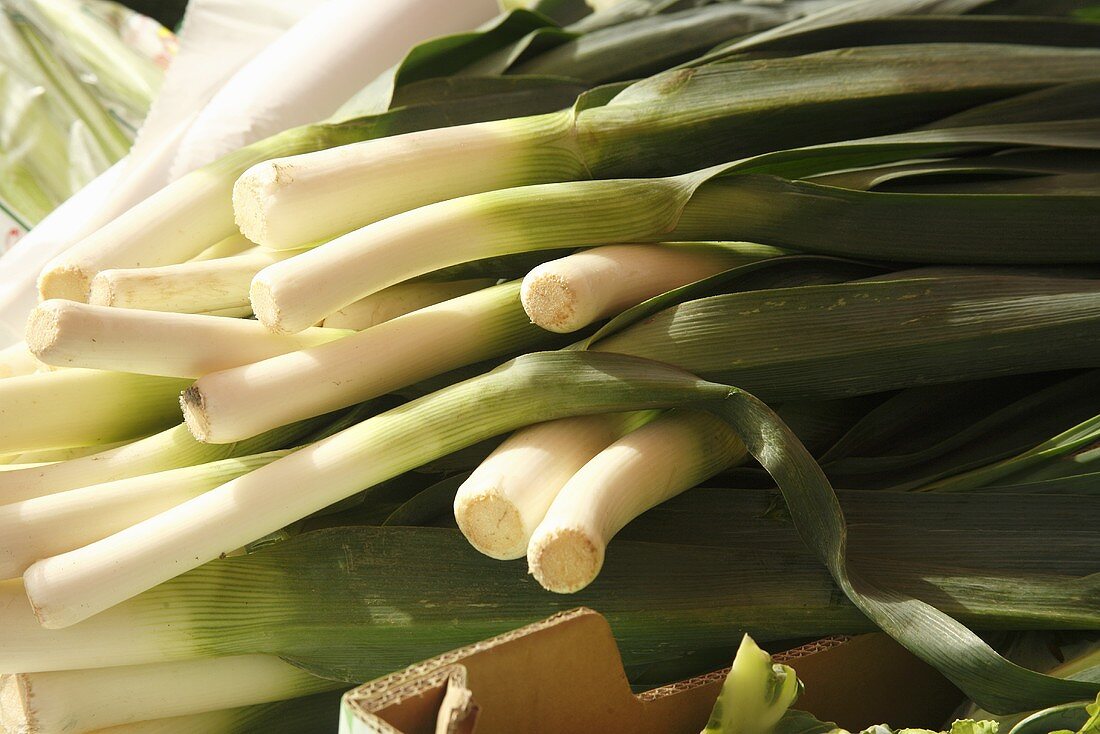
(572, 292)
(640, 470)
(50, 456)
(81, 701)
(169, 449)
(270, 197)
(71, 334)
(398, 300)
(81, 407)
(505, 498)
(234, 404)
(190, 287)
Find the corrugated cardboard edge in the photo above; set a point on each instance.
(811, 648)
(417, 679)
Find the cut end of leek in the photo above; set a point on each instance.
(16, 715)
(250, 193)
(550, 302)
(101, 292)
(65, 281)
(265, 307)
(193, 405)
(44, 327)
(31, 577)
(565, 561)
(492, 523)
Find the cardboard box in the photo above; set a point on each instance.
(564, 675)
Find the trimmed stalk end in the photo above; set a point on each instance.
(265, 306)
(64, 281)
(193, 405)
(48, 616)
(16, 714)
(44, 328)
(102, 290)
(550, 302)
(565, 560)
(492, 523)
(250, 197)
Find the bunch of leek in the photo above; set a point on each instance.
(851, 232)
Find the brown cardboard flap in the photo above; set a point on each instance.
(565, 675)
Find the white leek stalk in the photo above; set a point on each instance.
(50, 456)
(17, 360)
(81, 701)
(572, 292)
(505, 498)
(234, 244)
(197, 286)
(234, 404)
(169, 449)
(639, 471)
(71, 334)
(74, 586)
(187, 216)
(78, 407)
(55, 523)
(299, 200)
(398, 300)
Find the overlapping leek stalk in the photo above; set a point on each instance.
(169, 449)
(55, 523)
(197, 286)
(82, 701)
(398, 300)
(70, 334)
(238, 403)
(572, 292)
(81, 407)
